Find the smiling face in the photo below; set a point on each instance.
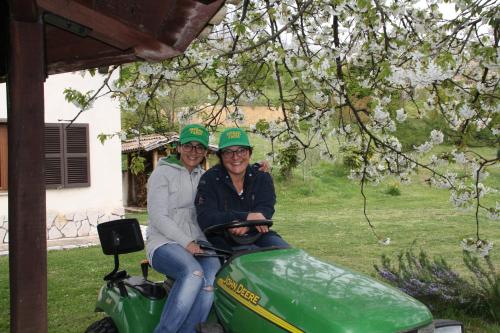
(191, 154)
(236, 159)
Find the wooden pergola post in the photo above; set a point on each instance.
(26, 181)
(155, 158)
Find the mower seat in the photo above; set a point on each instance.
(149, 289)
(120, 236)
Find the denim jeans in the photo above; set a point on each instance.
(269, 239)
(191, 296)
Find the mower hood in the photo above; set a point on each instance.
(300, 293)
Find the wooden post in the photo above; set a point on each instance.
(26, 180)
(206, 164)
(155, 158)
(130, 182)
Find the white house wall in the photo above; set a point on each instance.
(73, 212)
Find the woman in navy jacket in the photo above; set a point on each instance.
(234, 190)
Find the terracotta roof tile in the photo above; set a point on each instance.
(147, 142)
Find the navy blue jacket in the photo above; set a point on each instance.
(217, 201)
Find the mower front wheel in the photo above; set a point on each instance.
(105, 325)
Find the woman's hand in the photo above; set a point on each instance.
(239, 231)
(194, 248)
(264, 166)
(258, 216)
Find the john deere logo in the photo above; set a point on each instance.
(233, 135)
(196, 131)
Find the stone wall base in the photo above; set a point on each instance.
(72, 225)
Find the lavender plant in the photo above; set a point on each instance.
(487, 283)
(437, 285)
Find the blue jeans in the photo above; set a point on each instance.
(269, 239)
(191, 296)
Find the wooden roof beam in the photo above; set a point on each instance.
(110, 30)
(23, 10)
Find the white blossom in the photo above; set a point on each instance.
(380, 116)
(238, 116)
(419, 76)
(394, 143)
(436, 161)
(401, 115)
(145, 69)
(482, 123)
(494, 212)
(459, 157)
(141, 84)
(221, 71)
(437, 137)
(466, 112)
(141, 97)
(169, 74)
(481, 247)
(320, 98)
(424, 147)
(385, 241)
(463, 197)
(478, 175)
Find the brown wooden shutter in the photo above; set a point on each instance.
(53, 156)
(3, 157)
(76, 155)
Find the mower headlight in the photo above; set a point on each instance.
(448, 326)
(441, 326)
(426, 329)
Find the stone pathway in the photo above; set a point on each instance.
(68, 243)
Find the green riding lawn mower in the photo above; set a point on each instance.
(261, 291)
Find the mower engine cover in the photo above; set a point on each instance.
(286, 289)
(134, 313)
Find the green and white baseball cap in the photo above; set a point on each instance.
(233, 137)
(194, 132)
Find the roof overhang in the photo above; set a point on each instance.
(83, 34)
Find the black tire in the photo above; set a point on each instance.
(105, 325)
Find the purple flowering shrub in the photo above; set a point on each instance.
(436, 285)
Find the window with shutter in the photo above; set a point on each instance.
(76, 155)
(67, 155)
(54, 156)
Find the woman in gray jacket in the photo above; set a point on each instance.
(173, 234)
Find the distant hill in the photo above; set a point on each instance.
(252, 114)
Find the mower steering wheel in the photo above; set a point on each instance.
(240, 240)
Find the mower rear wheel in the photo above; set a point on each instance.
(105, 325)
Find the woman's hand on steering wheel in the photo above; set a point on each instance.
(240, 231)
(258, 216)
(244, 239)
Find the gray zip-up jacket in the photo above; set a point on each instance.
(172, 215)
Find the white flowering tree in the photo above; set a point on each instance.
(349, 74)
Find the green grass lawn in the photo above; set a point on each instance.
(320, 211)
(323, 213)
(141, 217)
